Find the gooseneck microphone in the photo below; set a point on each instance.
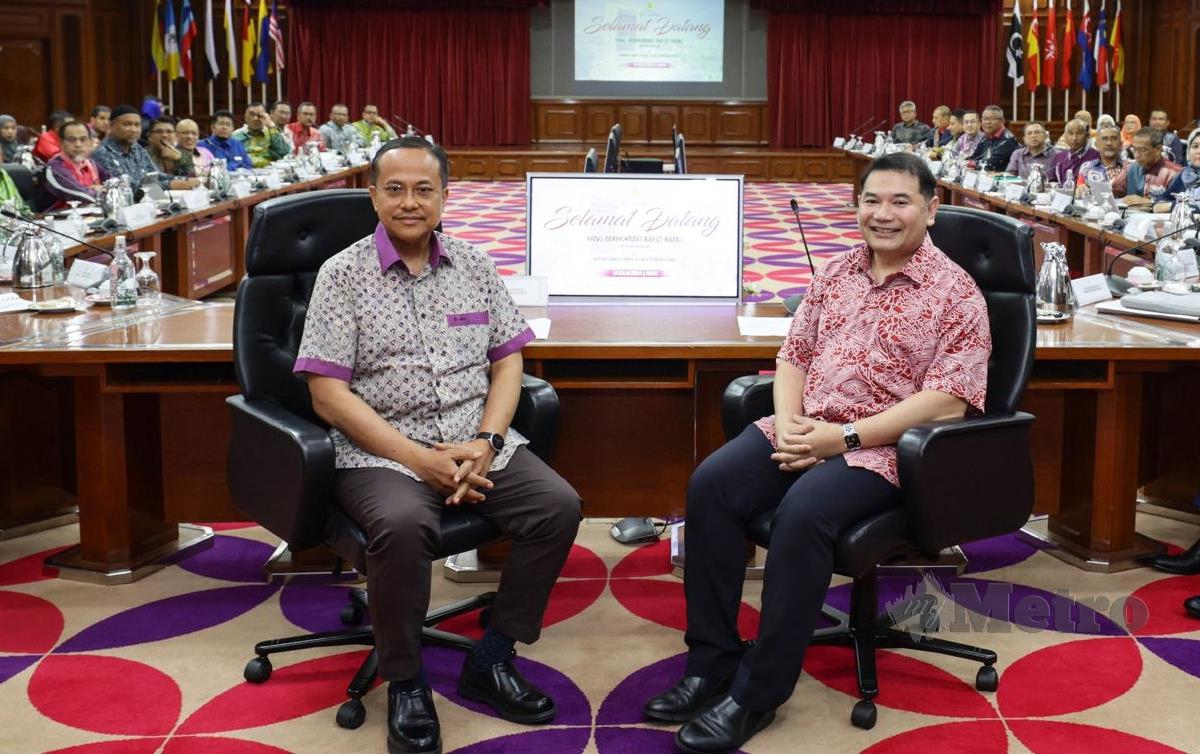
(792, 303)
(857, 128)
(1120, 288)
(14, 216)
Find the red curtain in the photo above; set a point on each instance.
(461, 74)
(826, 73)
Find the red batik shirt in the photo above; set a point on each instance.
(866, 345)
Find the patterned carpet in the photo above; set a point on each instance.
(492, 216)
(156, 666)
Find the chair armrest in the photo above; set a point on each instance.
(966, 479)
(747, 399)
(280, 469)
(537, 415)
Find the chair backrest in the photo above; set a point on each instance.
(680, 156)
(22, 178)
(290, 238)
(611, 153)
(589, 162)
(997, 251)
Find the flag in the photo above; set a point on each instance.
(248, 50)
(1083, 39)
(1033, 53)
(187, 35)
(261, 25)
(1050, 57)
(171, 42)
(230, 43)
(276, 35)
(158, 56)
(1016, 51)
(1118, 49)
(1067, 49)
(1101, 54)
(210, 41)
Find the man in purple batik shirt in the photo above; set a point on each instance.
(1066, 164)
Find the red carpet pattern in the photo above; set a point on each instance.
(1088, 662)
(492, 216)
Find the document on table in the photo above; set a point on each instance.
(540, 327)
(11, 302)
(763, 327)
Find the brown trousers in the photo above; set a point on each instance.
(402, 520)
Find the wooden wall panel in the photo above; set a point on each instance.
(600, 120)
(635, 124)
(560, 123)
(663, 118)
(702, 122)
(696, 124)
(741, 125)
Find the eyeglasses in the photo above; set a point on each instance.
(423, 194)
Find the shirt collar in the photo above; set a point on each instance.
(388, 255)
(999, 134)
(918, 268)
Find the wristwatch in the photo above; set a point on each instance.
(497, 441)
(850, 437)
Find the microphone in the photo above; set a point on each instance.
(857, 128)
(411, 130)
(14, 216)
(1120, 286)
(792, 303)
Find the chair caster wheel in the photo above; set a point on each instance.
(485, 615)
(864, 715)
(352, 615)
(257, 670)
(351, 714)
(987, 679)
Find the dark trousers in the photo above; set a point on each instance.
(812, 508)
(401, 517)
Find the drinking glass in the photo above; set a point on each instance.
(149, 287)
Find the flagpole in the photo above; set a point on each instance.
(158, 80)
(191, 100)
(1100, 102)
(171, 97)
(211, 108)
(264, 92)
(1016, 102)
(1117, 116)
(230, 94)
(279, 85)
(1031, 108)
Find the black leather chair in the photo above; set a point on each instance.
(680, 156)
(590, 165)
(962, 480)
(281, 459)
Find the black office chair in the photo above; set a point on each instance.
(27, 183)
(680, 156)
(590, 164)
(963, 480)
(612, 160)
(281, 459)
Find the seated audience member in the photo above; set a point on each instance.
(338, 134)
(281, 114)
(262, 142)
(48, 144)
(121, 154)
(1086, 117)
(827, 458)
(222, 144)
(372, 125)
(1111, 163)
(152, 108)
(1186, 563)
(10, 195)
(909, 130)
(187, 136)
(1035, 152)
(1147, 170)
(166, 156)
(971, 137)
(8, 138)
(447, 442)
(98, 123)
(303, 131)
(998, 144)
(1064, 170)
(1188, 180)
(1130, 126)
(1173, 147)
(940, 135)
(72, 175)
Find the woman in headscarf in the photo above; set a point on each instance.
(1188, 181)
(1129, 127)
(8, 138)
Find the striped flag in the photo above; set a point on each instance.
(263, 62)
(248, 46)
(1087, 63)
(210, 41)
(1101, 53)
(276, 35)
(1067, 48)
(1033, 53)
(1118, 49)
(187, 35)
(1050, 58)
(158, 56)
(230, 42)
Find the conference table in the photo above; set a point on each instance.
(123, 416)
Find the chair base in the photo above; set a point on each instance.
(352, 713)
(865, 630)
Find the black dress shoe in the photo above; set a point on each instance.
(413, 723)
(503, 689)
(725, 726)
(1192, 606)
(1185, 563)
(685, 699)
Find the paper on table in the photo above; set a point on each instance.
(1115, 307)
(11, 302)
(540, 327)
(759, 327)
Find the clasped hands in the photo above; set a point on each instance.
(802, 442)
(458, 470)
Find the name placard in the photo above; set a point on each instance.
(272, 180)
(1013, 191)
(195, 199)
(240, 189)
(838, 143)
(969, 179)
(137, 215)
(985, 183)
(1090, 289)
(1059, 202)
(1188, 257)
(85, 274)
(528, 290)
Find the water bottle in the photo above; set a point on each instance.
(122, 281)
(1168, 267)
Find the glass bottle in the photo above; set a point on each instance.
(122, 281)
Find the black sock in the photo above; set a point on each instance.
(493, 648)
(412, 684)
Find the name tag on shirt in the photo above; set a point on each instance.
(468, 318)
